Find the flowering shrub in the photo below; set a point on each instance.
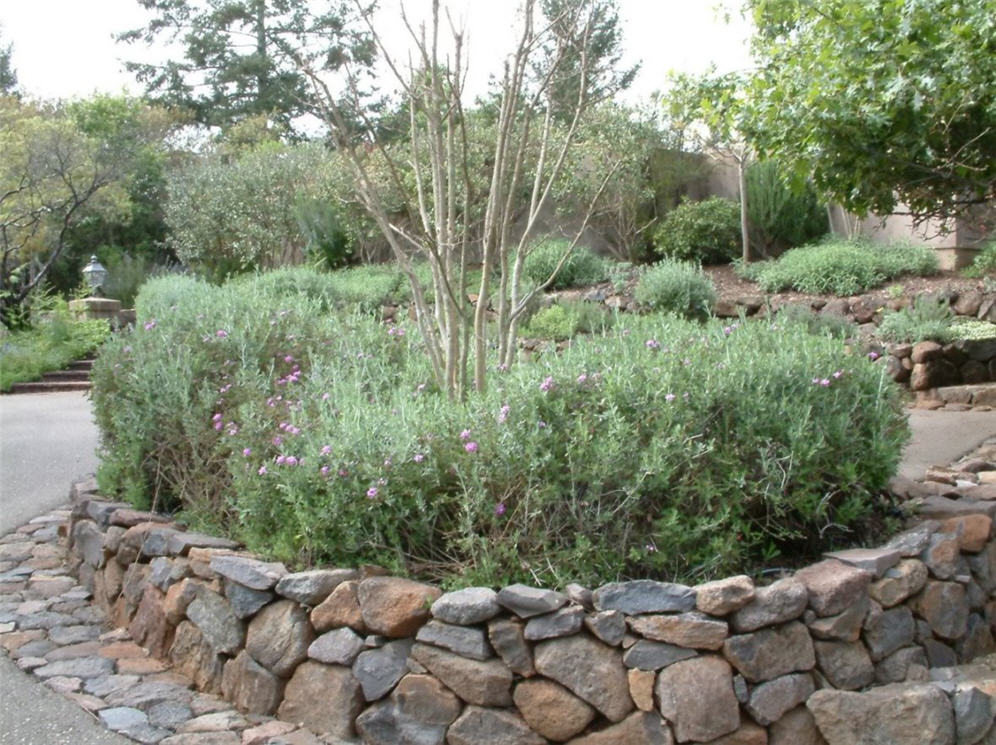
(659, 448)
(679, 287)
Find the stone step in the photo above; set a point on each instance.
(59, 375)
(52, 386)
(980, 394)
(81, 365)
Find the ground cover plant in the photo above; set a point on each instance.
(931, 319)
(984, 263)
(50, 343)
(840, 267)
(661, 448)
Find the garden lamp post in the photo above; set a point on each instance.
(94, 274)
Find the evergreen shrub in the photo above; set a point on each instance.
(660, 448)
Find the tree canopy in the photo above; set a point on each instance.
(231, 66)
(887, 104)
(8, 76)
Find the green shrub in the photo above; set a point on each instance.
(928, 319)
(52, 343)
(984, 263)
(972, 328)
(781, 217)
(843, 267)
(566, 320)
(678, 287)
(707, 232)
(661, 449)
(583, 267)
(817, 323)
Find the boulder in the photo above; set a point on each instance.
(644, 596)
(487, 683)
(380, 669)
(250, 686)
(466, 607)
(724, 596)
(340, 608)
(332, 687)
(639, 728)
(693, 630)
(696, 697)
(279, 637)
(551, 710)
(833, 585)
(770, 653)
(526, 602)
(591, 670)
(418, 712)
(777, 603)
(394, 606)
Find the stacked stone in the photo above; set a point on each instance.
(350, 653)
(968, 365)
(50, 627)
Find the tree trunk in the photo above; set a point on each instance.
(744, 225)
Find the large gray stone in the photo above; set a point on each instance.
(608, 626)
(279, 637)
(563, 622)
(639, 728)
(693, 630)
(770, 701)
(487, 683)
(944, 607)
(975, 715)
(466, 607)
(312, 587)
(478, 725)
(379, 670)
(901, 713)
(591, 670)
(214, 616)
(180, 543)
(874, 560)
(418, 712)
(844, 626)
(81, 667)
(464, 640)
(195, 658)
(644, 596)
(846, 665)
(648, 655)
(333, 686)
(253, 573)
(697, 697)
(896, 667)
(770, 653)
(777, 603)
(509, 641)
(526, 602)
(337, 647)
(797, 727)
(245, 601)
(885, 631)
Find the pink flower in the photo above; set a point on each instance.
(465, 435)
(324, 470)
(372, 492)
(218, 426)
(280, 460)
(670, 397)
(500, 509)
(325, 397)
(288, 359)
(652, 344)
(582, 379)
(247, 452)
(503, 413)
(470, 447)
(216, 417)
(326, 449)
(278, 440)
(873, 356)
(262, 471)
(839, 374)
(418, 457)
(825, 382)
(291, 460)
(221, 333)
(547, 384)
(149, 325)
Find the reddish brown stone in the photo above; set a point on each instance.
(193, 657)
(748, 734)
(641, 688)
(833, 586)
(149, 626)
(394, 606)
(725, 595)
(943, 606)
(141, 666)
(690, 630)
(341, 608)
(337, 690)
(639, 728)
(697, 697)
(973, 531)
(552, 710)
(252, 687)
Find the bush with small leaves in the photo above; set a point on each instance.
(707, 232)
(678, 287)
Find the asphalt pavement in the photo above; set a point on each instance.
(47, 441)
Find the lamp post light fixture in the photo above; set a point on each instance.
(94, 274)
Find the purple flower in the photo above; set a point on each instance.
(288, 359)
(541, 424)
(216, 417)
(873, 356)
(247, 452)
(278, 440)
(218, 426)
(326, 449)
(372, 492)
(324, 470)
(325, 397)
(670, 397)
(291, 460)
(149, 325)
(280, 460)
(465, 435)
(500, 509)
(470, 447)
(839, 374)
(825, 382)
(652, 344)
(262, 471)
(221, 334)
(343, 473)
(503, 413)
(582, 379)
(418, 457)
(547, 384)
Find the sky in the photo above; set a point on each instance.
(64, 48)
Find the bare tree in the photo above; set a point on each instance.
(456, 214)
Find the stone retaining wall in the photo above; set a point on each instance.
(928, 365)
(363, 657)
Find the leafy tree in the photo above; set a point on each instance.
(8, 76)
(582, 59)
(711, 111)
(262, 208)
(51, 175)
(781, 217)
(231, 66)
(883, 102)
(444, 217)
